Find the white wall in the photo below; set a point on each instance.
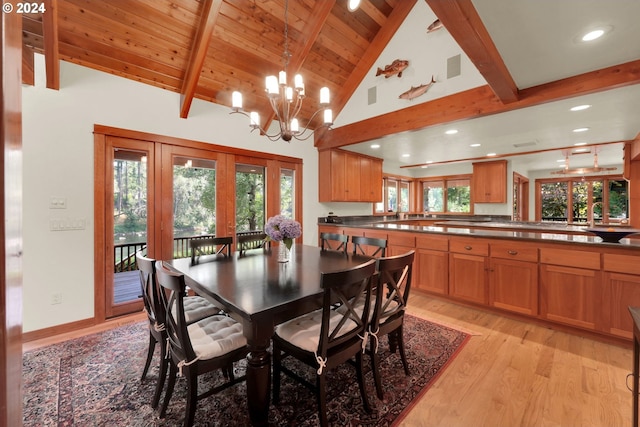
(58, 163)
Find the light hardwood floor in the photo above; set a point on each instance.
(510, 373)
(520, 374)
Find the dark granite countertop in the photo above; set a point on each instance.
(557, 234)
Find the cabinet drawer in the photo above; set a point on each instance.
(570, 258)
(514, 250)
(629, 264)
(436, 243)
(469, 246)
(401, 239)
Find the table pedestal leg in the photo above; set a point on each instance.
(258, 385)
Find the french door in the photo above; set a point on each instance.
(154, 193)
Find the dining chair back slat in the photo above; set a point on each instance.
(369, 246)
(334, 242)
(247, 242)
(209, 247)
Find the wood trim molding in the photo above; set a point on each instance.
(145, 136)
(10, 222)
(59, 329)
(477, 102)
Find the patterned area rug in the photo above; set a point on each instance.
(95, 381)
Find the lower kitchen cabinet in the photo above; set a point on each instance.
(513, 286)
(468, 270)
(571, 288)
(622, 289)
(432, 273)
(513, 277)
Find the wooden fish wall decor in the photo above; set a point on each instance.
(415, 92)
(396, 67)
(435, 25)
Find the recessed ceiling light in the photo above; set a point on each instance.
(581, 150)
(561, 160)
(429, 161)
(474, 145)
(581, 129)
(580, 143)
(406, 155)
(491, 154)
(592, 35)
(353, 5)
(374, 146)
(424, 166)
(580, 107)
(451, 131)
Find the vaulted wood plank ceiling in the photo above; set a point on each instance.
(206, 49)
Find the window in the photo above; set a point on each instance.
(287, 193)
(396, 196)
(250, 202)
(447, 195)
(590, 200)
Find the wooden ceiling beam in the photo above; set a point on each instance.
(380, 41)
(201, 41)
(477, 102)
(28, 76)
(51, 45)
(318, 16)
(462, 21)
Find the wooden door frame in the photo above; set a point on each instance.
(11, 223)
(103, 199)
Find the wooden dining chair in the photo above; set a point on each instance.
(247, 242)
(209, 248)
(369, 246)
(196, 308)
(334, 242)
(326, 338)
(213, 343)
(391, 297)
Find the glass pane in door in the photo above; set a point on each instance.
(287, 193)
(250, 198)
(580, 201)
(129, 221)
(194, 201)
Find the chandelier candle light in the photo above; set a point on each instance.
(286, 101)
(284, 230)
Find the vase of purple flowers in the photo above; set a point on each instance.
(284, 230)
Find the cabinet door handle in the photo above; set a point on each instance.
(512, 252)
(468, 248)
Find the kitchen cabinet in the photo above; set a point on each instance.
(468, 269)
(513, 277)
(571, 289)
(489, 182)
(622, 289)
(349, 177)
(432, 261)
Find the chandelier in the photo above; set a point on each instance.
(285, 100)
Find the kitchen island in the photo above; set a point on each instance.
(569, 278)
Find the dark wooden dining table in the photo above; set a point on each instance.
(260, 292)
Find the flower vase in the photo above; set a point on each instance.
(284, 253)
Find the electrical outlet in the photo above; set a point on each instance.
(56, 298)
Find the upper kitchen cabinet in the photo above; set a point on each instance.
(349, 177)
(489, 182)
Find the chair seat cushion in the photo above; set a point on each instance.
(391, 308)
(304, 331)
(197, 308)
(215, 336)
